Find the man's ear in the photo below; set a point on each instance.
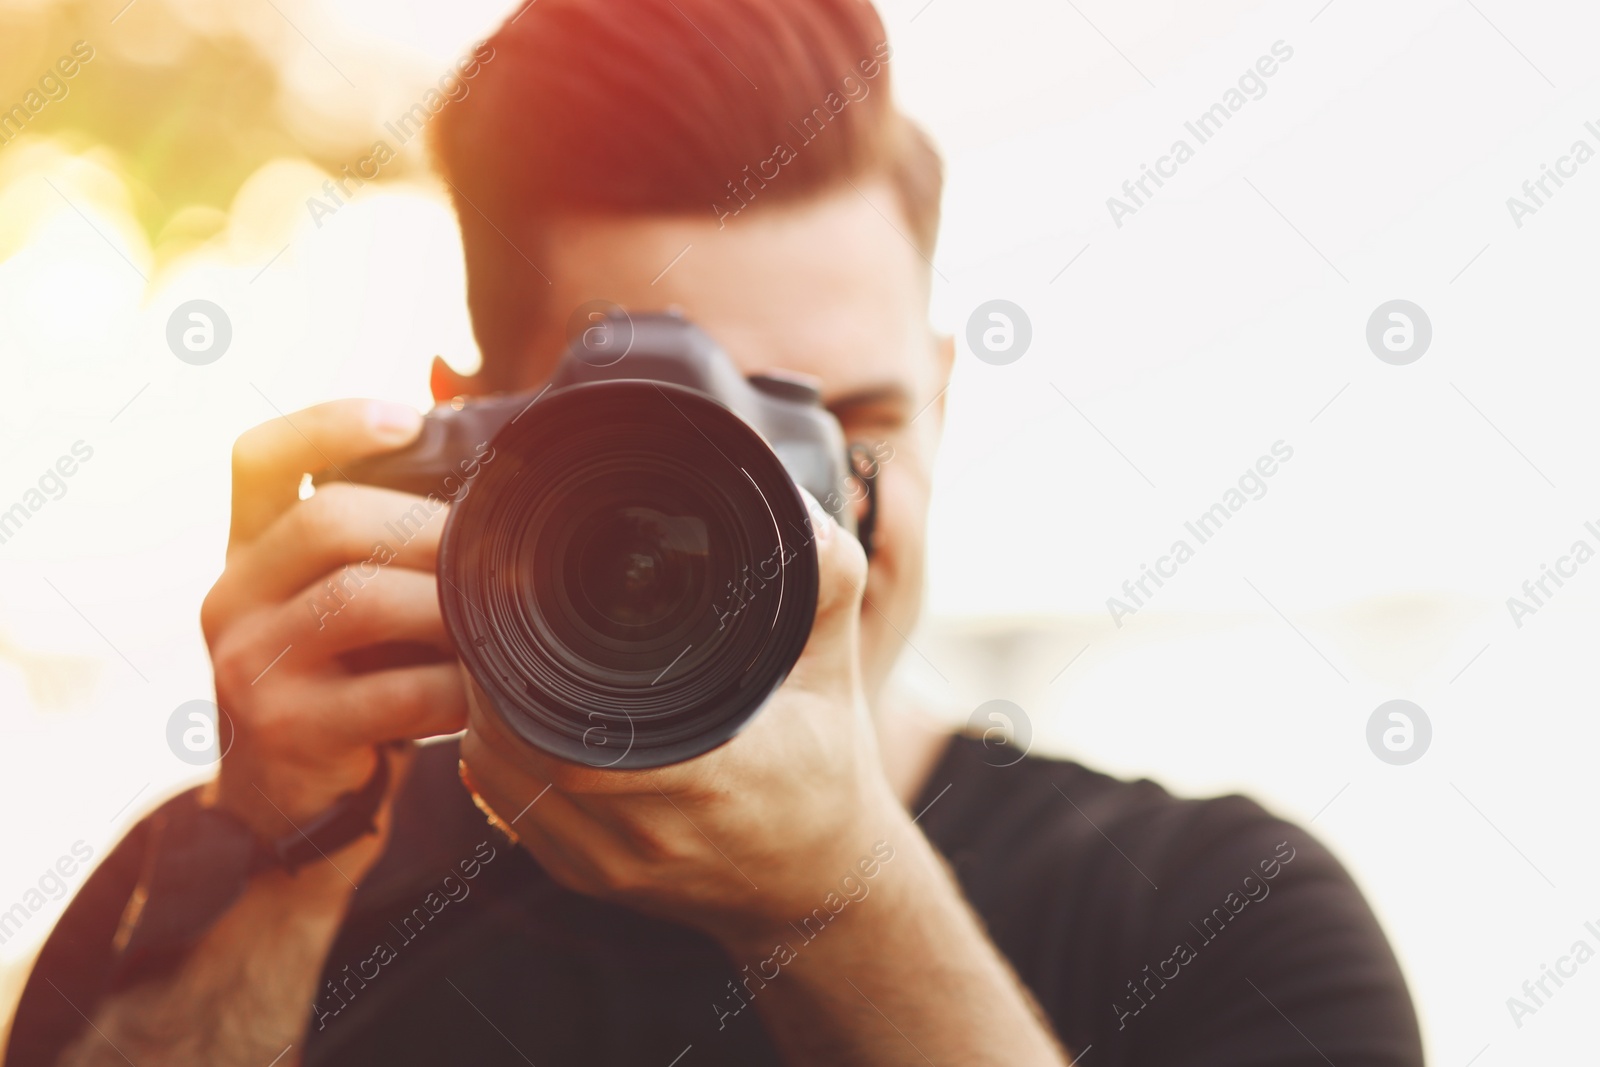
(447, 384)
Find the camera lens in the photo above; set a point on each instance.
(638, 568)
(631, 576)
(623, 570)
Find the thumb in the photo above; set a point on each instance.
(841, 579)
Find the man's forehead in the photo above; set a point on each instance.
(826, 287)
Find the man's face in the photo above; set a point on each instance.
(827, 287)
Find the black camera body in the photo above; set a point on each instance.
(660, 347)
(629, 570)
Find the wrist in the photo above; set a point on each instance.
(320, 885)
(274, 799)
(884, 864)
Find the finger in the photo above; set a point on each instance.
(841, 585)
(539, 815)
(347, 611)
(403, 704)
(269, 460)
(566, 870)
(575, 780)
(356, 525)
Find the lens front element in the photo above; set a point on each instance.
(633, 575)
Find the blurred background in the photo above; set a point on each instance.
(1170, 346)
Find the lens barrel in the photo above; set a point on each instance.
(632, 576)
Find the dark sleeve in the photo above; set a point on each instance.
(1262, 951)
(74, 969)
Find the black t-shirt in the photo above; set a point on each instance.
(1152, 930)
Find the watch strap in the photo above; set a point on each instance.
(199, 860)
(351, 816)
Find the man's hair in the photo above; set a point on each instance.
(662, 107)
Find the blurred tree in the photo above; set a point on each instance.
(192, 97)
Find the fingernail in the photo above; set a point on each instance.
(395, 422)
(821, 521)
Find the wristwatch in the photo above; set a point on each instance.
(199, 859)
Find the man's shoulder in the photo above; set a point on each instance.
(998, 806)
(1140, 918)
(1123, 856)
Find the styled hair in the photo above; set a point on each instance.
(662, 107)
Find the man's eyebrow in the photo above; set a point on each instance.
(889, 394)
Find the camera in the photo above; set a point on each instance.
(628, 570)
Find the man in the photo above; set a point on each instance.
(839, 884)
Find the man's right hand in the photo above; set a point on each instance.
(306, 720)
(305, 717)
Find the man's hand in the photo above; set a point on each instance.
(743, 839)
(759, 835)
(285, 645)
(308, 585)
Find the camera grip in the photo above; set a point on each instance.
(444, 456)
